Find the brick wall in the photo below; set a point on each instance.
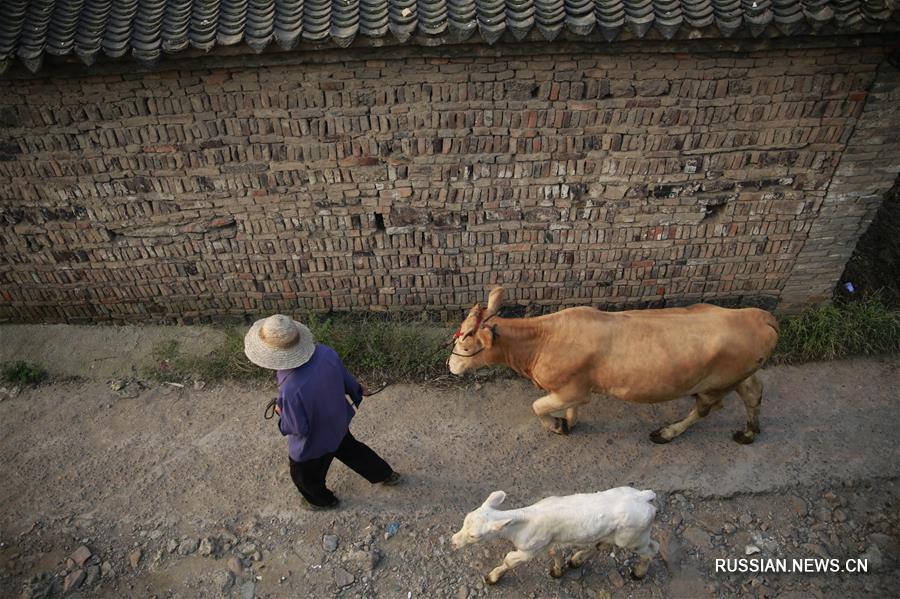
(404, 181)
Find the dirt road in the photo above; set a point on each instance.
(196, 481)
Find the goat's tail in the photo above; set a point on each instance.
(647, 495)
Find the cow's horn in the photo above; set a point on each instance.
(495, 300)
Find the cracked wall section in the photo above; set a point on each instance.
(867, 170)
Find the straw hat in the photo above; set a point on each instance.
(279, 343)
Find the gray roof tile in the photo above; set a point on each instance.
(116, 40)
(149, 29)
(176, 25)
(373, 18)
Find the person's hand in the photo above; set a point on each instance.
(277, 410)
(365, 390)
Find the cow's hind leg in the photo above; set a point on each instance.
(706, 403)
(750, 390)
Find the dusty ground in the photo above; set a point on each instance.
(183, 492)
(99, 352)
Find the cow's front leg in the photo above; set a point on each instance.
(556, 570)
(512, 559)
(544, 408)
(572, 416)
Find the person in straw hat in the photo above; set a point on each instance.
(314, 413)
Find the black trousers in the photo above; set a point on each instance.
(309, 475)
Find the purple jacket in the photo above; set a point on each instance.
(315, 415)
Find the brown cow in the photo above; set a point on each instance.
(644, 356)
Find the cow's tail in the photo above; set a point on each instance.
(771, 321)
(770, 340)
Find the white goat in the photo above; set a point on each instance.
(621, 516)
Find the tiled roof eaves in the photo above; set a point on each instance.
(151, 29)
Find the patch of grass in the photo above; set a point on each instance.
(22, 373)
(839, 330)
(381, 349)
(226, 361)
(377, 349)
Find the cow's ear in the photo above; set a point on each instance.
(499, 525)
(494, 499)
(495, 300)
(486, 336)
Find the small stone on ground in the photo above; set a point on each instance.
(248, 590)
(342, 578)
(81, 555)
(615, 578)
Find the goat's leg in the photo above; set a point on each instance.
(750, 390)
(645, 553)
(512, 559)
(581, 556)
(705, 404)
(556, 570)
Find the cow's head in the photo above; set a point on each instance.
(483, 523)
(475, 336)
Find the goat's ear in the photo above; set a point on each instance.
(499, 525)
(486, 336)
(494, 499)
(495, 300)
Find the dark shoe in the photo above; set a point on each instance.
(393, 479)
(311, 507)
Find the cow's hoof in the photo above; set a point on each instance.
(573, 565)
(487, 580)
(743, 437)
(556, 573)
(656, 437)
(560, 427)
(636, 576)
